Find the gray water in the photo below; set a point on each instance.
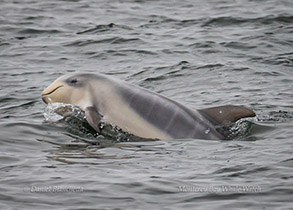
(199, 53)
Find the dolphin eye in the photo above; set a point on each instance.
(73, 81)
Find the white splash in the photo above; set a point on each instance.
(57, 111)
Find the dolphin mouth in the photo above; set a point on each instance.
(45, 94)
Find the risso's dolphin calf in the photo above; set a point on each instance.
(139, 111)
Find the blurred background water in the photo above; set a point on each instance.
(200, 53)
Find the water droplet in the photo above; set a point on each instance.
(207, 131)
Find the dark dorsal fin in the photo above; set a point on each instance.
(224, 115)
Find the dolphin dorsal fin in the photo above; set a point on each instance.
(224, 115)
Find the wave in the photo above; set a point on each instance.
(112, 40)
(103, 28)
(39, 31)
(228, 21)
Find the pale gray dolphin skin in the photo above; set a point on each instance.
(139, 111)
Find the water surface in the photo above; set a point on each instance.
(200, 53)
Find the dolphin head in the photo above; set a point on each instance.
(68, 89)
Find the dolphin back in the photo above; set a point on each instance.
(173, 118)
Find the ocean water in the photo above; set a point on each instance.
(199, 53)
